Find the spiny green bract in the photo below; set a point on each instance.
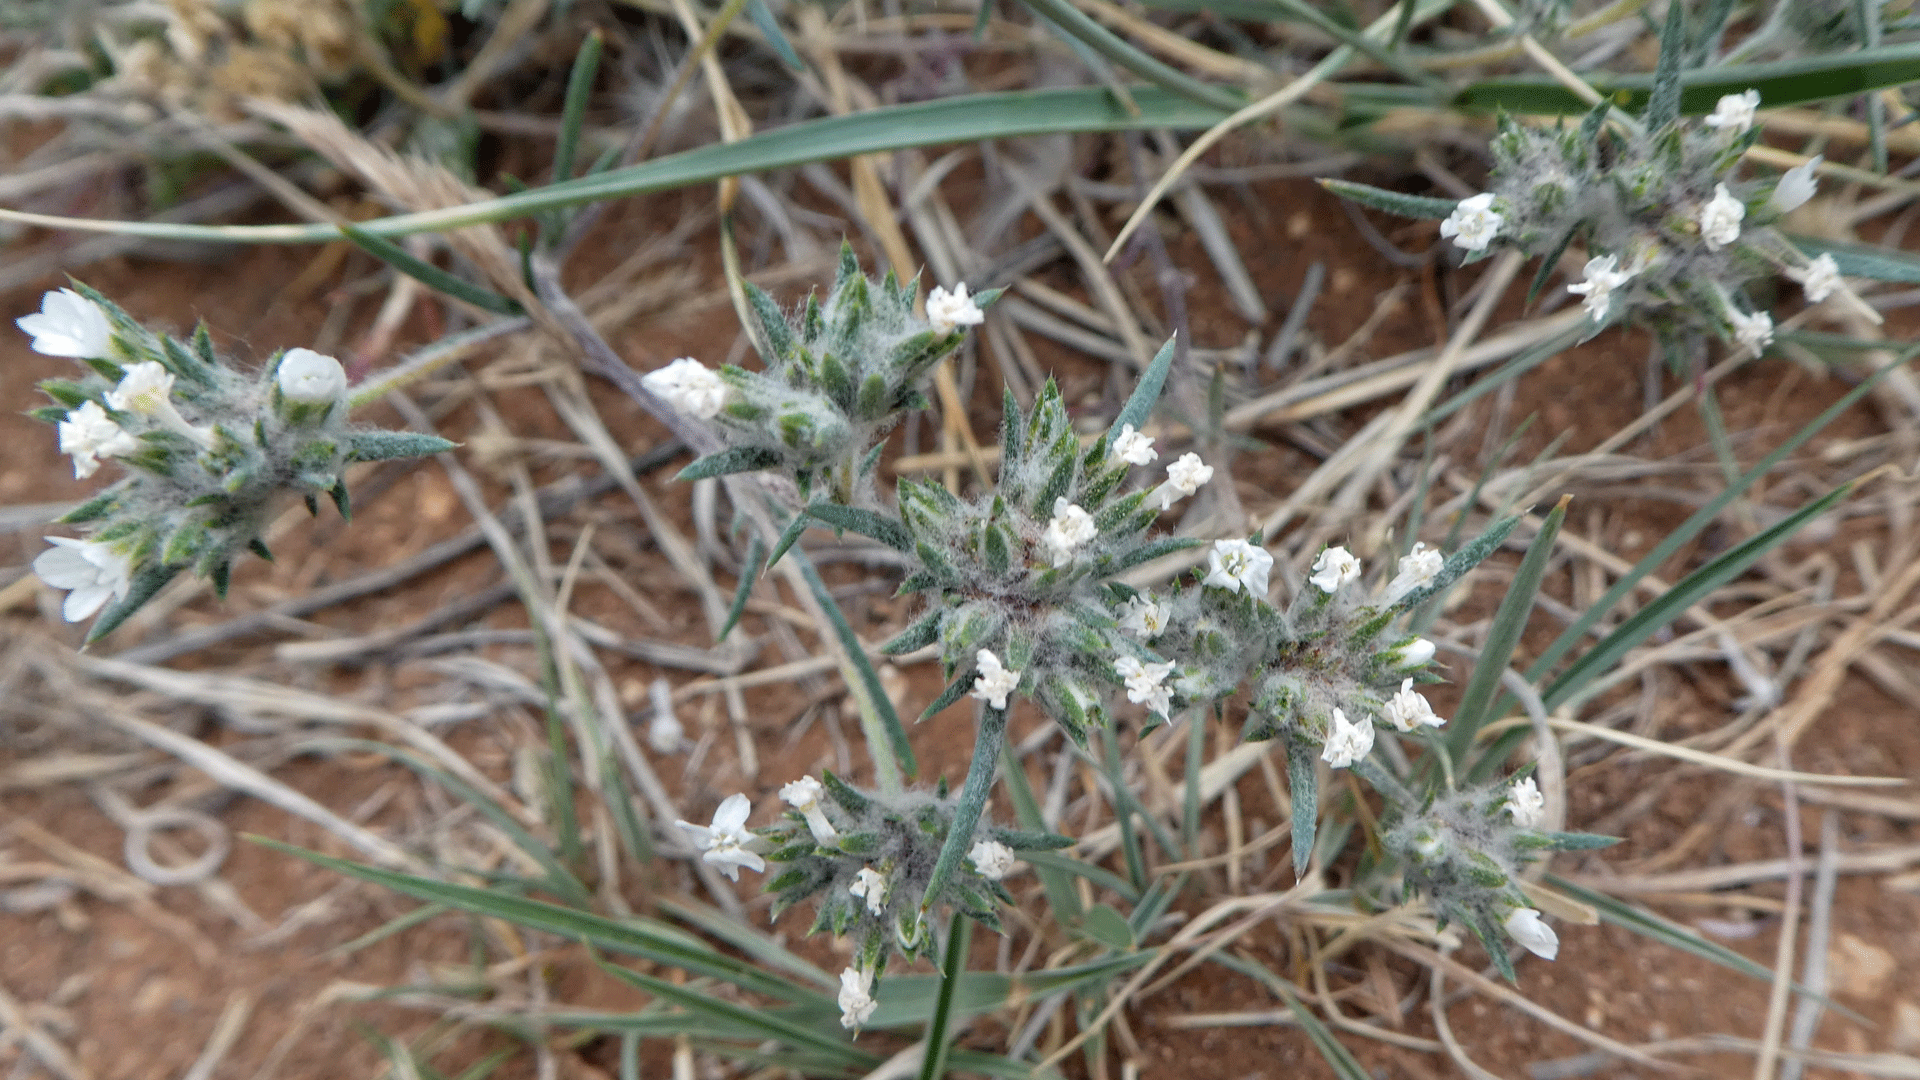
(184, 506)
(898, 838)
(996, 583)
(1464, 851)
(839, 373)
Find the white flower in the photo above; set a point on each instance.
(1143, 617)
(949, 310)
(725, 841)
(871, 885)
(1818, 279)
(1235, 564)
(146, 389)
(1603, 276)
(689, 386)
(855, 1000)
(1735, 112)
(1527, 929)
(995, 682)
(1069, 530)
(1720, 218)
(1473, 223)
(1335, 567)
(1134, 448)
(89, 434)
(1527, 805)
(1184, 477)
(992, 858)
(1754, 331)
(804, 795)
(91, 572)
(1417, 570)
(1410, 709)
(1796, 186)
(310, 378)
(1414, 653)
(68, 325)
(1146, 683)
(1347, 743)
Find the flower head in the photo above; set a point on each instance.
(856, 998)
(1527, 805)
(689, 386)
(1473, 223)
(1134, 448)
(1146, 683)
(1796, 186)
(146, 389)
(872, 886)
(1347, 742)
(1143, 617)
(89, 434)
(1184, 477)
(1720, 218)
(1070, 529)
(726, 840)
(1603, 275)
(1417, 569)
(90, 571)
(992, 858)
(1818, 279)
(1527, 928)
(994, 682)
(68, 325)
(948, 311)
(1754, 331)
(1734, 113)
(1410, 709)
(1336, 567)
(804, 795)
(1235, 564)
(310, 378)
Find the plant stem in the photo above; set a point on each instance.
(973, 799)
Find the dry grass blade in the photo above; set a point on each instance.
(41, 1045)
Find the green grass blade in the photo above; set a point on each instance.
(1668, 606)
(428, 274)
(1863, 260)
(1698, 522)
(745, 1021)
(1072, 21)
(959, 934)
(761, 948)
(586, 65)
(961, 119)
(776, 37)
(1097, 875)
(1781, 83)
(636, 937)
(750, 569)
(1509, 622)
(1061, 896)
(895, 741)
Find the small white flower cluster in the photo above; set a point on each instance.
(1473, 223)
(1603, 276)
(1146, 683)
(856, 998)
(993, 859)
(1527, 805)
(1070, 529)
(1734, 113)
(1236, 566)
(1335, 568)
(689, 387)
(1184, 477)
(948, 311)
(804, 795)
(994, 681)
(1143, 617)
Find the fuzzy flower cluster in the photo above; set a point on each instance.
(1674, 235)
(1464, 851)
(866, 861)
(838, 374)
(208, 450)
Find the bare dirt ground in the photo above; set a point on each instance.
(138, 981)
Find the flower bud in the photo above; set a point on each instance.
(310, 378)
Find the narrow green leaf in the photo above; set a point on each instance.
(586, 65)
(1863, 260)
(1663, 103)
(933, 1065)
(1393, 202)
(1098, 876)
(777, 38)
(1509, 622)
(972, 800)
(387, 445)
(734, 459)
(749, 573)
(1303, 785)
(1337, 1056)
(1072, 21)
(888, 531)
(1108, 927)
(869, 678)
(428, 274)
(1061, 896)
(749, 1022)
